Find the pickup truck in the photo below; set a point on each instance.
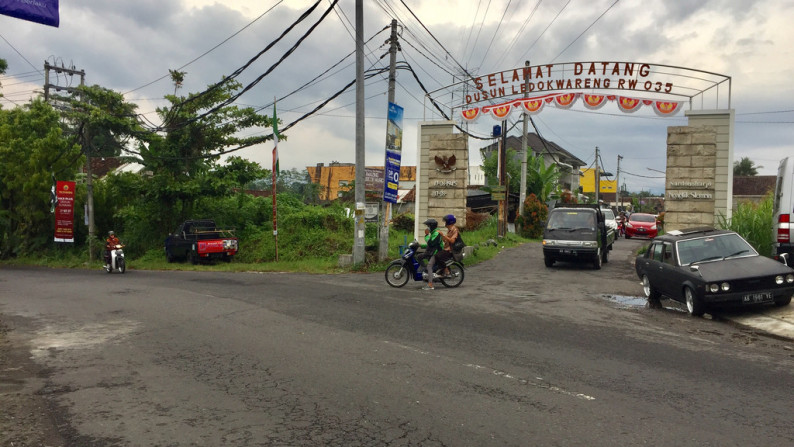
(577, 233)
(198, 240)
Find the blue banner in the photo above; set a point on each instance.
(39, 11)
(394, 149)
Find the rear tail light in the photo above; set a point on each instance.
(783, 229)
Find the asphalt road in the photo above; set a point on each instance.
(518, 355)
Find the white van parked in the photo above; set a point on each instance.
(783, 211)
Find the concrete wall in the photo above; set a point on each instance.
(440, 191)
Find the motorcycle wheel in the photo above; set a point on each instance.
(122, 265)
(455, 277)
(397, 274)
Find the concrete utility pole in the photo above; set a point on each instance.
(504, 205)
(617, 182)
(383, 248)
(358, 237)
(89, 183)
(522, 196)
(597, 176)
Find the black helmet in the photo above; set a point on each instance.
(432, 224)
(449, 219)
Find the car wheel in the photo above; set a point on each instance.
(783, 301)
(548, 260)
(597, 260)
(650, 292)
(693, 304)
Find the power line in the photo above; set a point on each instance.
(585, 30)
(210, 50)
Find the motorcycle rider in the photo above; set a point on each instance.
(110, 243)
(433, 244)
(452, 235)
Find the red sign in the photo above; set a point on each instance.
(64, 212)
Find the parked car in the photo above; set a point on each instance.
(200, 240)
(610, 220)
(704, 268)
(641, 224)
(783, 209)
(577, 233)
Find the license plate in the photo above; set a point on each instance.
(641, 230)
(568, 252)
(757, 297)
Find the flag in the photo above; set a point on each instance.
(275, 142)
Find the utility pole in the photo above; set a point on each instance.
(522, 196)
(358, 237)
(503, 206)
(617, 182)
(86, 137)
(597, 177)
(383, 248)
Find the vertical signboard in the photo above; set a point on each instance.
(64, 212)
(394, 147)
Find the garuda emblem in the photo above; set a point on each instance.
(445, 164)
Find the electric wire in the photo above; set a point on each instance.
(585, 30)
(208, 51)
(496, 32)
(544, 32)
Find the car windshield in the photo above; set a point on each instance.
(713, 248)
(608, 214)
(642, 218)
(560, 220)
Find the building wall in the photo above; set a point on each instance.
(691, 177)
(722, 122)
(334, 178)
(587, 182)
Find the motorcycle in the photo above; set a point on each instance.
(408, 266)
(116, 261)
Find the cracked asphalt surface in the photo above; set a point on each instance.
(518, 355)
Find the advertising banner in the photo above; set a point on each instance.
(394, 147)
(39, 11)
(64, 212)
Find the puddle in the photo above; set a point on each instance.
(626, 300)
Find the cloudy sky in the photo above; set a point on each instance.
(130, 46)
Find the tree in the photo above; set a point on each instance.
(3, 68)
(745, 167)
(33, 149)
(542, 180)
(184, 157)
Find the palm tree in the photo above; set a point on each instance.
(745, 167)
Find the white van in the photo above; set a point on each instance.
(783, 211)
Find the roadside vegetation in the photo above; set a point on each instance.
(753, 221)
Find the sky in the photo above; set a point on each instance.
(130, 46)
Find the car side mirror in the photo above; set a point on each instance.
(694, 268)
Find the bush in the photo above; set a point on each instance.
(753, 221)
(475, 221)
(535, 214)
(404, 222)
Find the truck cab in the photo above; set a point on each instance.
(577, 233)
(783, 209)
(198, 240)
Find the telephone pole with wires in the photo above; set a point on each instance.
(394, 46)
(360, 228)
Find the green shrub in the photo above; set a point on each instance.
(535, 214)
(753, 221)
(404, 222)
(476, 221)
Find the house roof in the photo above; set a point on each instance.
(536, 143)
(753, 185)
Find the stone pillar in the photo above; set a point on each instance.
(441, 184)
(689, 192)
(722, 122)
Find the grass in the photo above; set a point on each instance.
(77, 257)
